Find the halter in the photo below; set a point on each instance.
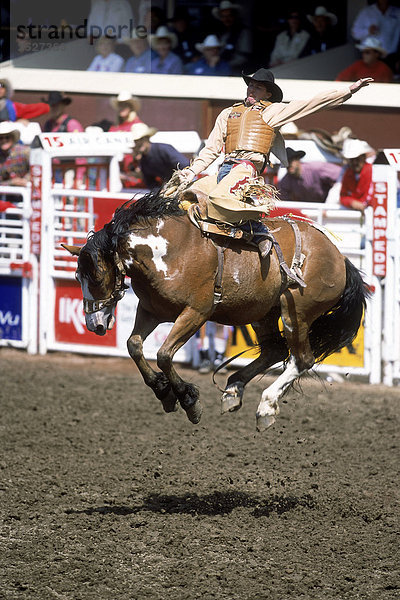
(92, 306)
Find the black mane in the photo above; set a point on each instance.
(142, 211)
(133, 212)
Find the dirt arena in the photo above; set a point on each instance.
(106, 497)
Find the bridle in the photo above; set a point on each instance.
(92, 306)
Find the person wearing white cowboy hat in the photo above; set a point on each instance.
(11, 111)
(249, 131)
(370, 64)
(127, 106)
(236, 39)
(379, 19)
(166, 62)
(356, 182)
(210, 63)
(14, 157)
(153, 162)
(323, 34)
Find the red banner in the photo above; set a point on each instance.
(379, 239)
(36, 204)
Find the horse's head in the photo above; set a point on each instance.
(102, 278)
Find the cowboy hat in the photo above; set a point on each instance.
(321, 11)
(126, 97)
(57, 98)
(224, 5)
(294, 154)
(355, 148)
(9, 128)
(266, 78)
(164, 32)
(211, 41)
(372, 43)
(139, 131)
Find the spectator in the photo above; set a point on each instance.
(106, 59)
(155, 162)
(357, 178)
(111, 18)
(166, 62)
(308, 181)
(370, 64)
(59, 120)
(212, 343)
(127, 107)
(210, 63)
(140, 62)
(186, 34)
(291, 42)
(323, 35)
(11, 111)
(235, 38)
(382, 20)
(14, 157)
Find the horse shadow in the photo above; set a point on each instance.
(214, 504)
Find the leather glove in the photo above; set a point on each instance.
(186, 175)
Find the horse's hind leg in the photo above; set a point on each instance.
(188, 322)
(273, 349)
(296, 329)
(145, 323)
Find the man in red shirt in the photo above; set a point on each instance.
(127, 107)
(11, 111)
(357, 178)
(370, 64)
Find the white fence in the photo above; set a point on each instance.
(62, 213)
(18, 272)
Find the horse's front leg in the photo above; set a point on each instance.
(186, 325)
(145, 323)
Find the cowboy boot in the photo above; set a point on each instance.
(264, 247)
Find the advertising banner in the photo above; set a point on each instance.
(11, 308)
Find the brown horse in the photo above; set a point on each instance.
(172, 270)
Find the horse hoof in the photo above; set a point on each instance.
(170, 402)
(230, 403)
(194, 412)
(264, 422)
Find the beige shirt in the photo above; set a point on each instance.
(275, 115)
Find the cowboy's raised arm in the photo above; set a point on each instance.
(278, 114)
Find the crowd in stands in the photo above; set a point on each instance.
(229, 37)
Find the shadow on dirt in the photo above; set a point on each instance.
(217, 503)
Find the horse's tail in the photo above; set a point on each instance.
(338, 327)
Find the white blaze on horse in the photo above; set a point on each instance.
(174, 272)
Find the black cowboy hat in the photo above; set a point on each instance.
(56, 98)
(294, 154)
(266, 78)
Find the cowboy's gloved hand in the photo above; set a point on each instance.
(360, 83)
(186, 175)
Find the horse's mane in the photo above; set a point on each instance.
(135, 212)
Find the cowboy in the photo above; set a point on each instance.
(249, 130)
(357, 178)
(166, 62)
(211, 62)
(59, 120)
(14, 162)
(370, 65)
(308, 181)
(127, 107)
(154, 161)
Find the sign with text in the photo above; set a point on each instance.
(380, 223)
(36, 204)
(10, 308)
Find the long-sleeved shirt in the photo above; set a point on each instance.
(159, 163)
(171, 65)
(313, 183)
(288, 48)
(356, 187)
(112, 63)
(201, 67)
(275, 115)
(388, 24)
(11, 111)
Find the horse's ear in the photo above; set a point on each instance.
(74, 250)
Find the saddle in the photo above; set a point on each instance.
(216, 230)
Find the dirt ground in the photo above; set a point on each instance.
(106, 497)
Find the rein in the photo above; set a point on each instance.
(92, 306)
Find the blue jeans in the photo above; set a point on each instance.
(224, 169)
